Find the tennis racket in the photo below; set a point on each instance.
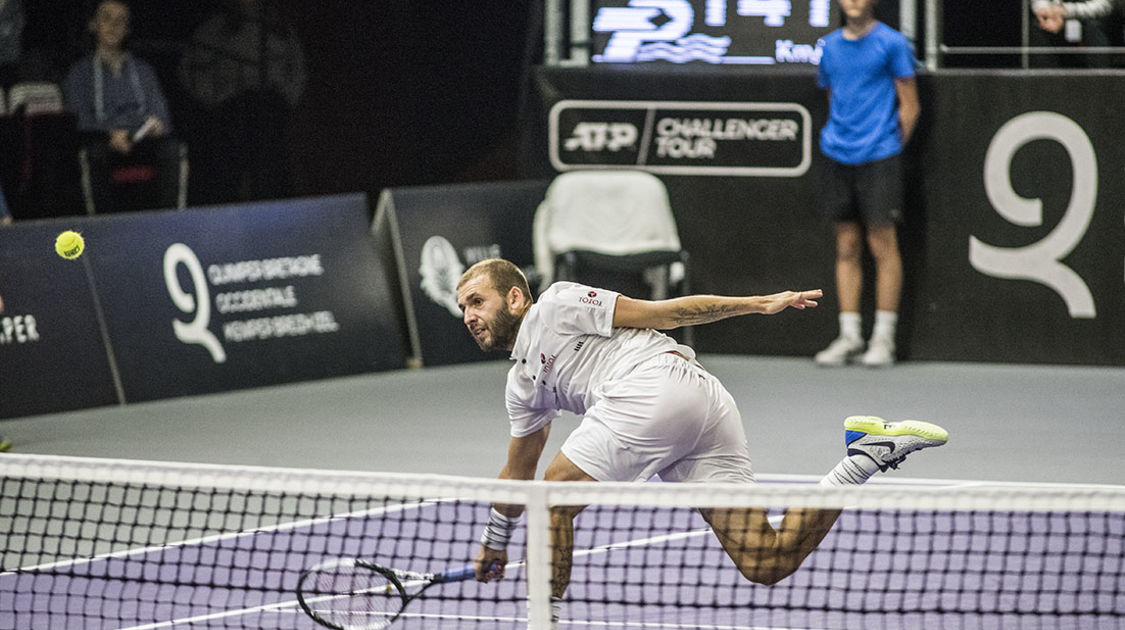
(356, 594)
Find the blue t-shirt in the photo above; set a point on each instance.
(861, 74)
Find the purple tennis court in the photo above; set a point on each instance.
(105, 555)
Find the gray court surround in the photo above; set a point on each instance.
(1006, 422)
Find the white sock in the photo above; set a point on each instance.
(851, 325)
(851, 471)
(885, 324)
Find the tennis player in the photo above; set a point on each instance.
(648, 408)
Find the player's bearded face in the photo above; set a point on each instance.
(501, 330)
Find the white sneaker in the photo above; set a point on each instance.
(840, 351)
(880, 352)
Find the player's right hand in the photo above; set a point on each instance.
(490, 564)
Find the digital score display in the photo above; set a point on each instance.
(718, 32)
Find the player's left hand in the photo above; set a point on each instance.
(490, 564)
(778, 302)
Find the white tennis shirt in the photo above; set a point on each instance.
(567, 348)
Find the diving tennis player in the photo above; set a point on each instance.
(648, 408)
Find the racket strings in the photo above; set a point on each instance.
(350, 597)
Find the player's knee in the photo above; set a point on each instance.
(766, 574)
(566, 511)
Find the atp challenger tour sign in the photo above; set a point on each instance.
(682, 137)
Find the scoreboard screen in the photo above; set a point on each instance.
(718, 32)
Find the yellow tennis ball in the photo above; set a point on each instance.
(70, 244)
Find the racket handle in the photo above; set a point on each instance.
(463, 573)
(468, 572)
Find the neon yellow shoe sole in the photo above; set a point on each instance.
(888, 443)
(872, 425)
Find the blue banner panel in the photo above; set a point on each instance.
(441, 231)
(229, 297)
(52, 355)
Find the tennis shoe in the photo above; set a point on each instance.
(842, 350)
(880, 353)
(888, 443)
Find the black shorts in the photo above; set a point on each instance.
(868, 193)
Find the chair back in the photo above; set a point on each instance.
(616, 213)
(35, 97)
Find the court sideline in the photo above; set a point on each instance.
(1007, 423)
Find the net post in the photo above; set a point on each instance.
(538, 559)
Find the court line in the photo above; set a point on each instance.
(595, 624)
(511, 565)
(774, 520)
(125, 553)
(281, 527)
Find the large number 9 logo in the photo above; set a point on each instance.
(196, 330)
(1039, 261)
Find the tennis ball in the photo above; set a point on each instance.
(70, 244)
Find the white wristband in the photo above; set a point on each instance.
(498, 531)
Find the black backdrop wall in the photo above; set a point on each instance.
(1013, 240)
(400, 92)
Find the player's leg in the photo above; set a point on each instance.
(765, 555)
(562, 525)
(721, 455)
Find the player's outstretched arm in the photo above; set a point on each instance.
(523, 460)
(693, 310)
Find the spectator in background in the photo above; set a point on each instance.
(246, 68)
(121, 111)
(12, 21)
(1071, 24)
(866, 66)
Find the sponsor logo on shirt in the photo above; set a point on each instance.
(548, 365)
(591, 298)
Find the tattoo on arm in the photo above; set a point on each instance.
(560, 569)
(703, 314)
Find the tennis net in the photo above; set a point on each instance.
(98, 544)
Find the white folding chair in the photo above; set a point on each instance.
(609, 220)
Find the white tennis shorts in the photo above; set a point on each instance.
(668, 417)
